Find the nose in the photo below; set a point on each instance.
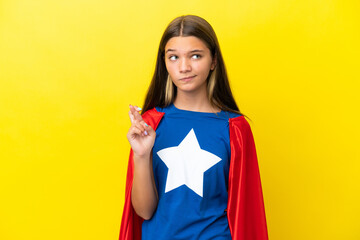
(185, 65)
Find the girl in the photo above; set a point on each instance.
(193, 171)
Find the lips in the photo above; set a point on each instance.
(187, 78)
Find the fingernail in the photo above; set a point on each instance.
(146, 125)
(145, 132)
(138, 108)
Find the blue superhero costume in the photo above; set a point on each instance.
(214, 211)
(191, 159)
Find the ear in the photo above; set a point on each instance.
(213, 63)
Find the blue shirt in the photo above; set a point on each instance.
(191, 158)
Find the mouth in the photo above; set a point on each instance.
(187, 78)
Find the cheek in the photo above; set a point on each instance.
(171, 69)
(203, 69)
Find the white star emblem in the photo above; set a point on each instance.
(187, 164)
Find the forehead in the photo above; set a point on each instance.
(185, 44)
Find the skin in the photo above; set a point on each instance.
(190, 57)
(184, 57)
(141, 137)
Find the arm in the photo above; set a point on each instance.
(141, 137)
(144, 196)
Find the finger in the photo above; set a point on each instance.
(142, 130)
(138, 108)
(139, 125)
(149, 130)
(131, 117)
(143, 127)
(146, 128)
(133, 131)
(136, 114)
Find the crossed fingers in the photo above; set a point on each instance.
(138, 124)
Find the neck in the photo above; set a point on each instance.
(194, 102)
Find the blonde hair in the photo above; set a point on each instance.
(169, 91)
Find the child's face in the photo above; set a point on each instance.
(188, 61)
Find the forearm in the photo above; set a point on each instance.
(144, 195)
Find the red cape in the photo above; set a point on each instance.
(246, 213)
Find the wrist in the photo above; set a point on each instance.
(142, 157)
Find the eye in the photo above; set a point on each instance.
(173, 58)
(196, 56)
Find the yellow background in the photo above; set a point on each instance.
(70, 68)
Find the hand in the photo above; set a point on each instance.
(140, 135)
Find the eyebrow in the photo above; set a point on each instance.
(192, 51)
